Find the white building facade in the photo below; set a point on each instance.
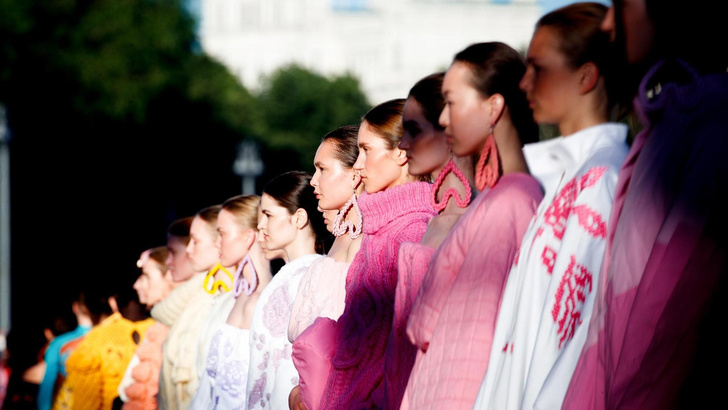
(387, 45)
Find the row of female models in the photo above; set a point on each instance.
(472, 266)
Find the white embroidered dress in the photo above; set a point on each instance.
(226, 370)
(223, 373)
(222, 305)
(550, 290)
(272, 374)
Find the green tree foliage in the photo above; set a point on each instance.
(118, 125)
(301, 106)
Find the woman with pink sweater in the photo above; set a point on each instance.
(454, 313)
(395, 209)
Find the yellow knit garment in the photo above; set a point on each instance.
(96, 367)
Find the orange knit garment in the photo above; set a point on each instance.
(97, 365)
(143, 391)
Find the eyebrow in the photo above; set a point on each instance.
(318, 164)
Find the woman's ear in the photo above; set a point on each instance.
(250, 238)
(496, 104)
(399, 156)
(300, 218)
(588, 77)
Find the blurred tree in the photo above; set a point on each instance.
(119, 127)
(300, 107)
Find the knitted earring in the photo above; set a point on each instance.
(451, 192)
(241, 284)
(218, 283)
(341, 225)
(487, 171)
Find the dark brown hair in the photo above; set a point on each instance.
(346, 149)
(497, 68)
(581, 40)
(428, 93)
(292, 190)
(181, 229)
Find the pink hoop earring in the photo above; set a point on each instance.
(341, 225)
(487, 171)
(451, 192)
(241, 284)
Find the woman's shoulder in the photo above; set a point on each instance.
(515, 188)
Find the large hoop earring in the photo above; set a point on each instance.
(451, 192)
(218, 283)
(240, 284)
(487, 171)
(341, 226)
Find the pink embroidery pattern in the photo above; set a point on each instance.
(557, 214)
(576, 282)
(538, 234)
(570, 298)
(549, 259)
(591, 221)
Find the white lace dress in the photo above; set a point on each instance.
(320, 294)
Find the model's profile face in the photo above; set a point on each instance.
(141, 285)
(377, 164)
(178, 263)
(426, 146)
(276, 225)
(157, 287)
(550, 84)
(202, 249)
(466, 117)
(637, 29)
(332, 182)
(231, 238)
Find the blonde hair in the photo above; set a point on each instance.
(245, 209)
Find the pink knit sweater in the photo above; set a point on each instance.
(391, 217)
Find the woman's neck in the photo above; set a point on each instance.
(590, 110)
(304, 244)
(262, 269)
(509, 147)
(339, 248)
(578, 123)
(344, 248)
(403, 178)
